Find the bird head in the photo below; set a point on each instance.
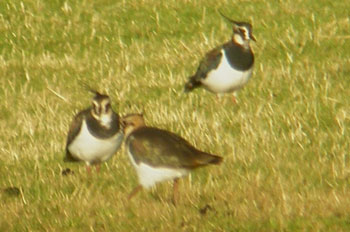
(131, 122)
(242, 32)
(101, 109)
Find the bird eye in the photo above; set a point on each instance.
(131, 124)
(95, 104)
(96, 110)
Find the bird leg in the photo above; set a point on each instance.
(134, 191)
(88, 169)
(234, 100)
(175, 191)
(98, 167)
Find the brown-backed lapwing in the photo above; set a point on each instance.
(228, 67)
(95, 133)
(159, 155)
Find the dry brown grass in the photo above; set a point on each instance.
(285, 144)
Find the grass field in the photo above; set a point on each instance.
(285, 143)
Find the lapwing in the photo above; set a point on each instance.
(159, 155)
(95, 134)
(228, 67)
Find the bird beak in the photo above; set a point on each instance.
(122, 123)
(252, 38)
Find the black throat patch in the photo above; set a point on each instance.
(99, 131)
(239, 57)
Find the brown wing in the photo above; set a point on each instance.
(158, 147)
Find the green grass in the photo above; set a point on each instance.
(285, 144)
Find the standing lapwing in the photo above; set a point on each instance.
(95, 133)
(228, 67)
(159, 155)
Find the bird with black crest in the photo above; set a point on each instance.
(95, 134)
(228, 67)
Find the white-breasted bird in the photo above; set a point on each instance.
(95, 133)
(159, 155)
(228, 67)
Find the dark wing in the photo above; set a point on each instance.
(72, 133)
(239, 57)
(158, 147)
(210, 62)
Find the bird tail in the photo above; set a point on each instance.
(192, 84)
(215, 159)
(207, 158)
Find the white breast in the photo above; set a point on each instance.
(149, 176)
(224, 78)
(89, 148)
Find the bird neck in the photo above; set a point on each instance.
(129, 129)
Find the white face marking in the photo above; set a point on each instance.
(241, 36)
(105, 106)
(96, 105)
(225, 79)
(238, 39)
(88, 148)
(105, 120)
(102, 112)
(245, 32)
